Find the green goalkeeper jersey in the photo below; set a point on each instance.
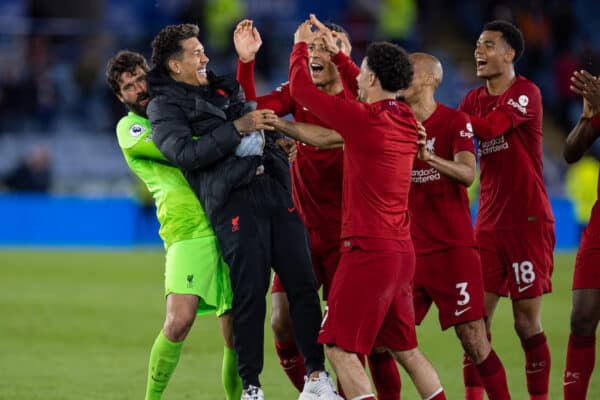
(178, 210)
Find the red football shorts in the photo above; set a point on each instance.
(587, 263)
(370, 304)
(518, 261)
(325, 255)
(453, 280)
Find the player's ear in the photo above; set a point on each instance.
(372, 79)
(509, 56)
(121, 99)
(174, 66)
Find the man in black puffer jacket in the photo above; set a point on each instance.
(203, 125)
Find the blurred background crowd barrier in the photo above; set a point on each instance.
(63, 180)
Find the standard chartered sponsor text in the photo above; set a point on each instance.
(425, 175)
(492, 146)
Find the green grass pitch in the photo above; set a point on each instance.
(79, 325)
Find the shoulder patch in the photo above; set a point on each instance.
(136, 130)
(523, 100)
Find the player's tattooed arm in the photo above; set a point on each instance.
(583, 134)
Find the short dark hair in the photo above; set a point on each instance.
(337, 28)
(167, 43)
(390, 64)
(511, 34)
(124, 61)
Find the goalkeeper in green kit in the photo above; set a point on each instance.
(196, 276)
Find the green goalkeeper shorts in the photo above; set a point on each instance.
(195, 266)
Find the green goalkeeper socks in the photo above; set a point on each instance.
(163, 360)
(229, 375)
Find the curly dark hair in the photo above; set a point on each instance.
(123, 61)
(167, 43)
(390, 64)
(511, 35)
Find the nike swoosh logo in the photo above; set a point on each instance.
(568, 383)
(458, 313)
(534, 371)
(524, 288)
(291, 209)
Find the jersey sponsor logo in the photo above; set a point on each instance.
(430, 145)
(136, 130)
(518, 106)
(425, 175)
(458, 313)
(492, 146)
(468, 133)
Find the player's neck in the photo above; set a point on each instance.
(424, 107)
(376, 95)
(497, 85)
(334, 87)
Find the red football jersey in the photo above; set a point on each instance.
(316, 173)
(380, 144)
(439, 206)
(512, 185)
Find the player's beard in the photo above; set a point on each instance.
(137, 107)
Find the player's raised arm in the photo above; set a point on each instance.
(585, 132)
(338, 44)
(327, 108)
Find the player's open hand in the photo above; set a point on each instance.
(585, 84)
(423, 154)
(256, 120)
(247, 40)
(304, 33)
(334, 41)
(289, 147)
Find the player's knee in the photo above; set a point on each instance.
(407, 358)
(281, 325)
(177, 325)
(474, 341)
(527, 325)
(583, 323)
(335, 355)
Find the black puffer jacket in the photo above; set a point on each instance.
(193, 127)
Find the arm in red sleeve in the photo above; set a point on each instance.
(245, 76)
(279, 100)
(348, 71)
(495, 124)
(343, 115)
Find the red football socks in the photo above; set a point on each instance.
(292, 362)
(493, 375)
(537, 366)
(474, 389)
(386, 377)
(581, 355)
